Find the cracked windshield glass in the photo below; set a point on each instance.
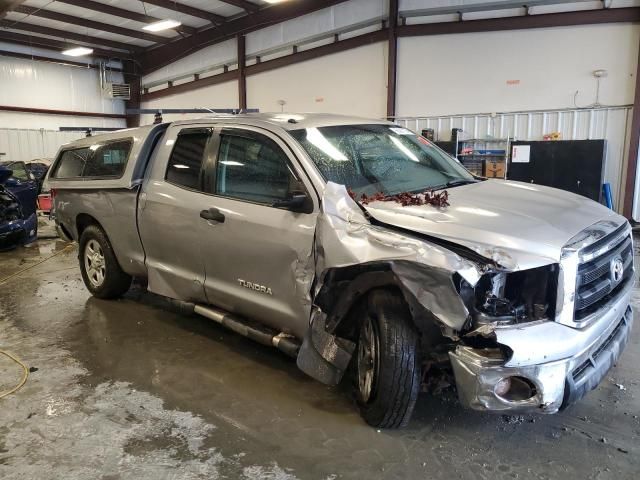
(386, 159)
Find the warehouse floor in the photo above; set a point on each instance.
(132, 389)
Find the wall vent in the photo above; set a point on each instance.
(118, 90)
(121, 91)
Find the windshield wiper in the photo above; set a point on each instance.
(454, 183)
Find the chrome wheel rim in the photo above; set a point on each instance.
(367, 359)
(94, 263)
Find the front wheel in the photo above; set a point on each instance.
(100, 269)
(388, 362)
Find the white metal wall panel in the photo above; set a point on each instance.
(213, 55)
(19, 144)
(316, 23)
(27, 83)
(612, 124)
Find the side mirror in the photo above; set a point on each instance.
(297, 202)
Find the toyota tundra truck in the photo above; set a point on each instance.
(360, 249)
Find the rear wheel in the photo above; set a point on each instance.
(387, 362)
(100, 269)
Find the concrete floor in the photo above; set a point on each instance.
(132, 389)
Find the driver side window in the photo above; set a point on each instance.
(252, 167)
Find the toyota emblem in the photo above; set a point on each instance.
(617, 269)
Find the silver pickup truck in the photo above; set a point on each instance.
(357, 247)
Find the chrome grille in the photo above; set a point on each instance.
(595, 284)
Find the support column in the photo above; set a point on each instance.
(242, 76)
(392, 59)
(132, 77)
(634, 140)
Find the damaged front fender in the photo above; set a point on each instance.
(423, 271)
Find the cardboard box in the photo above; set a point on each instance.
(494, 169)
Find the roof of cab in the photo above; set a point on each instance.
(287, 121)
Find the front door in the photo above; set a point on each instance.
(259, 255)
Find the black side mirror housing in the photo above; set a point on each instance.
(298, 201)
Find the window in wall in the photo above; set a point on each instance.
(252, 168)
(186, 159)
(108, 160)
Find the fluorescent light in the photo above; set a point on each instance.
(78, 51)
(274, 1)
(161, 25)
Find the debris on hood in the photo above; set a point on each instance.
(438, 199)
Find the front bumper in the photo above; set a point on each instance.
(558, 383)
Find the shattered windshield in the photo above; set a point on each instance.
(389, 159)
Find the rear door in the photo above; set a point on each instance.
(258, 257)
(169, 221)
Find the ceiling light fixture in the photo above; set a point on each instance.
(78, 51)
(161, 25)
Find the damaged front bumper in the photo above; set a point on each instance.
(560, 363)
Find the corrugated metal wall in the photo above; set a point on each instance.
(19, 144)
(610, 123)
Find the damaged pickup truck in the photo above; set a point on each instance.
(358, 248)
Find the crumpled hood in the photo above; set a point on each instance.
(518, 225)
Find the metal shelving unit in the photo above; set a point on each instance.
(478, 154)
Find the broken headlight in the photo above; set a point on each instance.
(507, 298)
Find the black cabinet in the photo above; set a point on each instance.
(573, 165)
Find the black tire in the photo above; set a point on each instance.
(114, 282)
(387, 396)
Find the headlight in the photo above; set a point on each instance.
(506, 298)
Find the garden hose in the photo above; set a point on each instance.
(25, 375)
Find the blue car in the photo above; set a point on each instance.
(18, 196)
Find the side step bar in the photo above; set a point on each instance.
(255, 331)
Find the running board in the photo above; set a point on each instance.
(253, 330)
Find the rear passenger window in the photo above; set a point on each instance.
(71, 163)
(186, 159)
(252, 168)
(108, 160)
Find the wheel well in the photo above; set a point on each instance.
(345, 291)
(83, 220)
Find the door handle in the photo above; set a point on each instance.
(213, 214)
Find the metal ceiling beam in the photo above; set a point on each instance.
(32, 28)
(34, 41)
(83, 22)
(122, 13)
(229, 76)
(244, 4)
(546, 20)
(187, 10)
(159, 57)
